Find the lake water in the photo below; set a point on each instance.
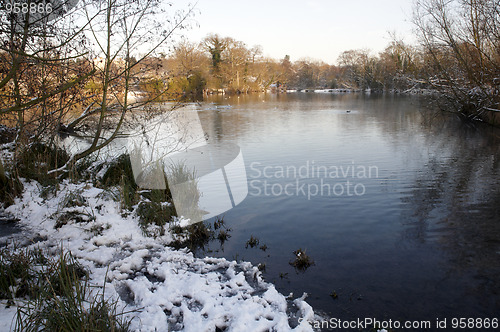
(412, 234)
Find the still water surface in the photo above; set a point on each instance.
(418, 238)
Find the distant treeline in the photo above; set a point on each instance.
(226, 65)
(458, 55)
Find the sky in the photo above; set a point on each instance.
(316, 29)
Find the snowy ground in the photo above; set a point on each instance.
(165, 288)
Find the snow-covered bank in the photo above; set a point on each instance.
(161, 288)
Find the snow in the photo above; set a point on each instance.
(331, 91)
(159, 288)
(7, 316)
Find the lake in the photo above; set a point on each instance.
(397, 205)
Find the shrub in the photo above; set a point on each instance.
(155, 213)
(35, 160)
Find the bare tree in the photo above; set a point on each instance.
(40, 77)
(358, 67)
(461, 38)
(236, 57)
(70, 66)
(189, 58)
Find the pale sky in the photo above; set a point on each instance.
(318, 29)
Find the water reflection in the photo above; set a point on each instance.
(455, 200)
(422, 243)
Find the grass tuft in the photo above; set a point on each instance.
(193, 237)
(15, 272)
(36, 159)
(73, 216)
(54, 294)
(302, 261)
(253, 242)
(10, 188)
(155, 214)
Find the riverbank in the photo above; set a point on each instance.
(155, 286)
(134, 257)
